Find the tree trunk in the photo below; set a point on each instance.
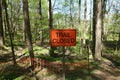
(10, 35)
(119, 37)
(11, 20)
(40, 10)
(28, 31)
(1, 27)
(79, 22)
(51, 25)
(97, 26)
(90, 37)
(103, 16)
(41, 18)
(24, 32)
(50, 15)
(85, 22)
(4, 27)
(79, 11)
(71, 16)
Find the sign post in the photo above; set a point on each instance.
(63, 62)
(63, 37)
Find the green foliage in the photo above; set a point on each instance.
(20, 78)
(37, 51)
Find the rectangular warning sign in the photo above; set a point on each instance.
(63, 37)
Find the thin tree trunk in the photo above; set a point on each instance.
(79, 11)
(1, 27)
(51, 24)
(71, 17)
(28, 31)
(50, 15)
(11, 20)
(4, 26)
(65, 19)
(97, 27)
(119, 37)
(41, 18)
(10, 35)
(40, 10)
(79, 22)
(103, 16)
(90, 20)
(24, 32)
(85, 22)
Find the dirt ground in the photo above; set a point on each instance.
(105, 71)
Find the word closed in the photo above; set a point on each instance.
(63, 37)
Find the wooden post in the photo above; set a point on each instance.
(63, 62)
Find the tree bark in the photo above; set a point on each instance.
(79, 22)
(28, 31)
(90, 20)
(79, 11)
(71, 16)
(97, 27)
(119, 37)
(24, 32)
(40, 10)
(51, 25)
(41, 18)
(4, 26)
(1, 27)
(50, 15)
(10, 35)
(103, 16)
(85, 22)
(11, 20)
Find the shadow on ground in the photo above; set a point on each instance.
(5, 57)
(10, 72)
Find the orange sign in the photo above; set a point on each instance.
(63, 37)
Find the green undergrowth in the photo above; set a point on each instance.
(37, 51)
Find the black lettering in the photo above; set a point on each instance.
(72, 40)
(57, 34)
(68, 35)
(62, 41)
(61, 34)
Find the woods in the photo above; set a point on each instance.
(25, 45)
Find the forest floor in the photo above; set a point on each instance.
(104, 71)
